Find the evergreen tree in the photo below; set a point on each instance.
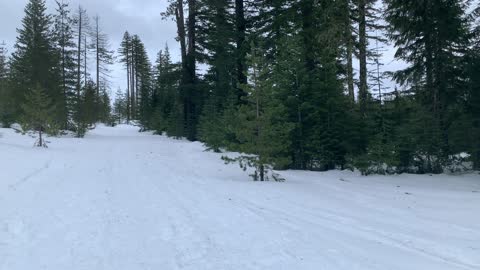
(432, 37)
(143, 94)
(119, 110)
(64, 38)
(37, 114)
(216, 37)
(125, 52)
(6, 106)
(191, 98)
(165, 92)
(258, 128)
(35, 62)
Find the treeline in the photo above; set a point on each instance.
(292, 84)
(47, 85)
(298, 84)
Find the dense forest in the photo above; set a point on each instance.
(292, 84)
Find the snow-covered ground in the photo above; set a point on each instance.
(122, 200)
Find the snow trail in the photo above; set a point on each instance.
(124, 200)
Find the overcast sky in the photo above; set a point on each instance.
(141, 17)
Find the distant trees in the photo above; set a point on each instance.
(49, 64)
(6, 102)
(290, 84)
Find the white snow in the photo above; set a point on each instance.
(123, 200)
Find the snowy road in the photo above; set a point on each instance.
(121, 200)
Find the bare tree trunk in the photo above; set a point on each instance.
(180, 18)
(97, 35)
(79, 52)
(40, 138)
(64, 69)
(349, 41)
(85, 61)
(363, 89)
(128, 82)
(132, 81)
(241, 53)
(190, 106)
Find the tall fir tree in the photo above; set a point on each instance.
(259, 128)
(166, 95)
(35, 61)
(432, 37)
(125, 52)
(64, 39)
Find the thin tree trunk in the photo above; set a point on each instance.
(97, 56)
(241, 53)
(349, 41)
(128, 81)
(132, 81)
(40, 138)
(190, 107)
(363, 91)
(79, 53)
(180, 18)
(64, 72)
(85, 61)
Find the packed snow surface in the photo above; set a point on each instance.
(124, 200)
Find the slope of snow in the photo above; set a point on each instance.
(122, 200)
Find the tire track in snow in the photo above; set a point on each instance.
(333, 223)
(26, 178)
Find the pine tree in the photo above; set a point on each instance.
(189, 85)
(165, 93)
(64, 38)
(259, 129)
(119, 110)
(125, 52)
(37, 114)
(6, 106)
(35, 61)
(432, 37)
(216, 37)
(143, 94)
(241, 22)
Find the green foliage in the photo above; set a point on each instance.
(258, 129)
(63, 36)
(6, 100)
(119, 112)
(37, 114)
(35, 60)
(165, 96)
(433, 38)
